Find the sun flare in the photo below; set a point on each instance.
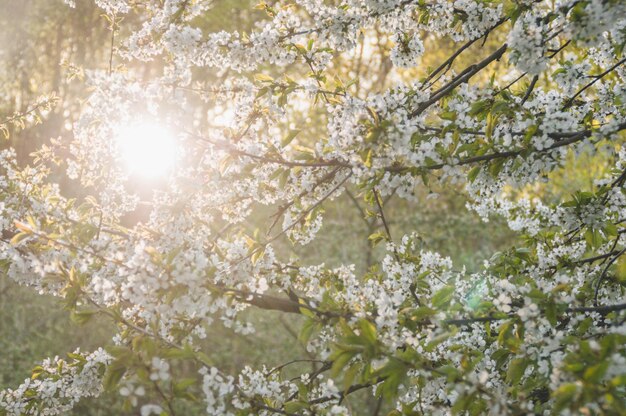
(147, 149)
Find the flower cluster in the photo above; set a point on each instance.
(57, 385)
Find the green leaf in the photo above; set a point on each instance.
(113, 376)
(306, 331)
(350, 375)
(422, 312)
(471, 176)
(340, 362)
(501, 107)
(496, 167)
(289, 137)
(448, 115)
(367, 158)
(619, 381)
(394, 373)
(263, 78)
(530, 132)
(594, 374)
(500, 356)
(282, 100)
(17, 238)
(593, 237)
(430, 347)
(377, 237)
(442, 297)
(37, 371)
(551, 312)
(516, 369)
(368, 331)
(295, 406)
(182, 385)
(82, 317)
(262, 92)
(480, 108)
(611, 230)
(180, 353)
(564, 396)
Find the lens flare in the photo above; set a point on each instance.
(147, 149)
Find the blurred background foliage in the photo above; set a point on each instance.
(46, 47)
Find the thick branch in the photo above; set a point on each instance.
(600, 309)
(462, 78)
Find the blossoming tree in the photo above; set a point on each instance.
(540, 329)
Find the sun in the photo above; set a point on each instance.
(147, 149)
